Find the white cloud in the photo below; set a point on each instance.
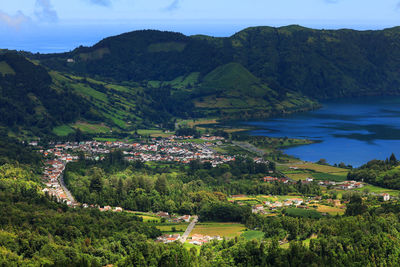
(14, 21)
(45, 12)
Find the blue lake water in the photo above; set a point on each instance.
(352, 131)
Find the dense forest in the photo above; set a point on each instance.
(318, 63)
(385, 173)
(174, 188)
(150, 78)
(27, 98)
(38, 231)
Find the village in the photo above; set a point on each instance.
(272, 205)
(170, 149)
(183, 150)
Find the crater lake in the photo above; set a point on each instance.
(353, 131)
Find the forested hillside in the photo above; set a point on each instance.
(28, 99)
(385, 173)
(147, 78)
(35, 100)
(318, 63)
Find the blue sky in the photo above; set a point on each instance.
(61, 25)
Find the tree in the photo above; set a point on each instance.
(393, 159)
(78, 135)
(96, 182)
(356, 206)
(161, 185)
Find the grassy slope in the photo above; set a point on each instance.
(115, 103)
(5, 68)
(316, 171)
(234, 90)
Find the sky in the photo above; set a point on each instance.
(61, 25)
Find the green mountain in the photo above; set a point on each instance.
(317, 63)
(232, 91)
(35, 100)
(28, 98)
(146, 78)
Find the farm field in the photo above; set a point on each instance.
(253, 234)
(154, 133)
(191, 123)
(337, 177)
(63, 130)
(316, 171)
(320, 168)
(104, 139)
(228, 230)
(260, 198)
(297, 175)
(379, 190)
(330, 210)
(91, 128)
(147, 217)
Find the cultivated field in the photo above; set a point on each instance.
(253, 234)
(91, 128)
(379, 190)
(63, 130)
(330, 210)
(154, 133)
(313, 170)
(320, 168)
(228, 230)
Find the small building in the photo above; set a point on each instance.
(269, 179)
(163, 214)
(118, 209)
(185, 218)
(385, 197)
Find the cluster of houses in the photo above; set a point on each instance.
(52, 172)
(171, 149)
(346, 185)
(199, 240)
(267, 205)
(168, 238)
(173, 218)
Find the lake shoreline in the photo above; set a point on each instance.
(352, 130)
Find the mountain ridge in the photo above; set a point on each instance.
(321, 64)
(149, 77)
